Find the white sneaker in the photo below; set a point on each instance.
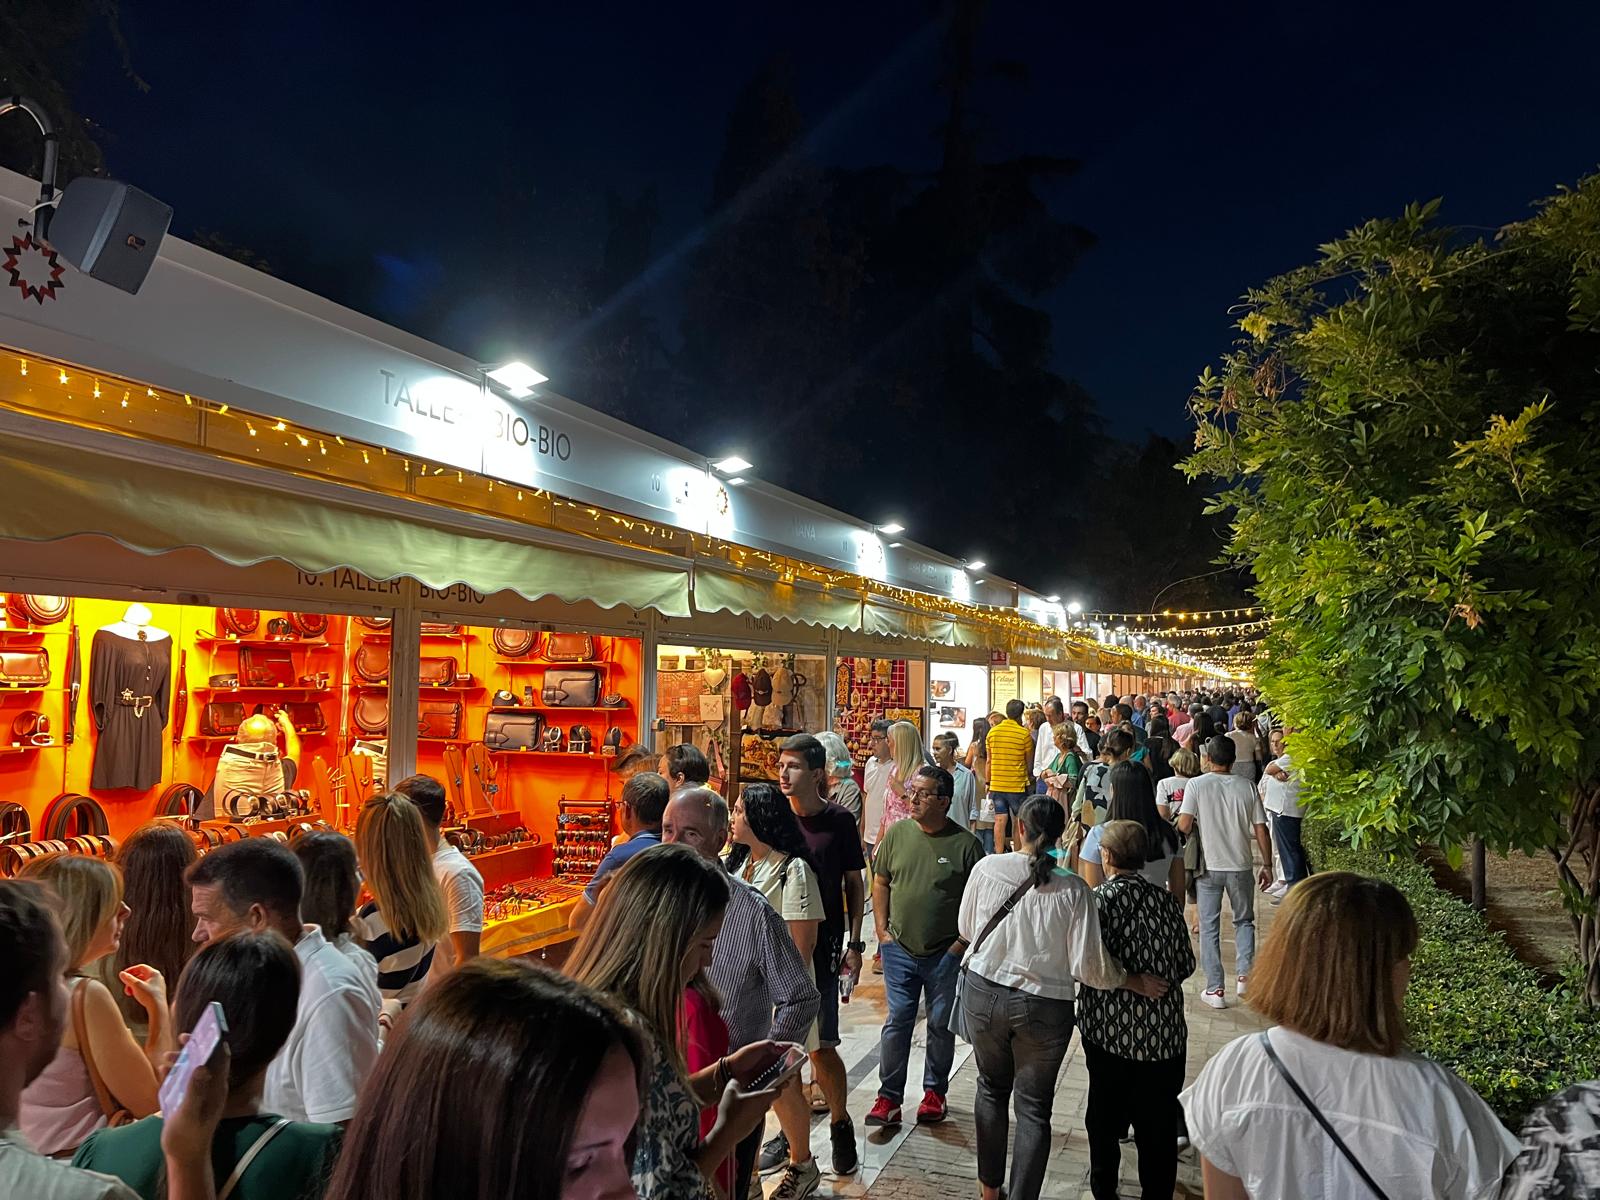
(1214, 998)
(1238, 987)
(1279, 889)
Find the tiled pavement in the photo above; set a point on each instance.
(940, 1161)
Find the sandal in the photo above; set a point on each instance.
(819, 1102)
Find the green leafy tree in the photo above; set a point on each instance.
(1408, 434)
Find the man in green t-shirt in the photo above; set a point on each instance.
(918, 876)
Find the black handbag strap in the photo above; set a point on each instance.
(1001, 912)
(1272, 1055)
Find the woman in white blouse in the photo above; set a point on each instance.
(1333, 976)
(1020, 989)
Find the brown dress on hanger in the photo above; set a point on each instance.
(129, 683)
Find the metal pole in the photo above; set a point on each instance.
(47, 186)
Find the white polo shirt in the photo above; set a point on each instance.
(874, 782)
(334, 1044)
(463, 900)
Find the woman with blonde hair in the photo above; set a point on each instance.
(906, 759)
(649, 939)
(100, 1074)
(406, 917)
(1329, 1102)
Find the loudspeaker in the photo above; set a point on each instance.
(108, 230)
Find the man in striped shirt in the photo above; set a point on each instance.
(1010, 750)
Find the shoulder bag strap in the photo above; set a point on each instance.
(1272, 1055)
(249, 1157)
(80, 1030)
(1000, 913)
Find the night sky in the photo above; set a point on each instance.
(345, 142)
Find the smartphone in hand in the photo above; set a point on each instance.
(207, 1034)
(783, 1069)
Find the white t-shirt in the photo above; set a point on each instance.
(1050, 939)
(789, 885)
(874, 783)
(463, 901)
(24, 1172)
(1158, 871)
(1227, 810)
(1415, 1127)
(1281, 796)
(1044, 749)
(1244, 746)
(1169, 794)
(333, 1046)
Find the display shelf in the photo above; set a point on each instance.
(31, 749)
(27, 689)
(33, 631)
(557, 708)
(373, 635)
(547, 666)
(302, 734)
(548, 754)
(272, 691)
(426, 688)
(307, 643)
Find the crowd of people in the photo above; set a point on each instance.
(1028, 885)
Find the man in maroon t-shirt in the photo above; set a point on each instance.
(835, 843)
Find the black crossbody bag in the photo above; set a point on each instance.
(1272, 1055)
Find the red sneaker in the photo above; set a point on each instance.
(884, 1112)
(931, 1110)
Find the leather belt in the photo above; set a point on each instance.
(139, 704)
(256, 755)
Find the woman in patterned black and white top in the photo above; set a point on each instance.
(1133, 1045)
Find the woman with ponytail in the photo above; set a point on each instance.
(1032, 930)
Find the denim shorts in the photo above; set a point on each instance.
(1007, 803)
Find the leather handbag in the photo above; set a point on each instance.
(308, 625)
(514, 643)
(437, 672)
(371, 715)
(377, 624)
(266, 667)
(306, 717)
(513, 731)
(30, 728)
(569, 647)
(29, 667)
(440, 629)
(371, 663)
(221, 718)
(240, 622)
(25, 609)
(439, 719)
(571, 689)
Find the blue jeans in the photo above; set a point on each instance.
(986, 836)
(1241, 889)
(905, 978)
(1286, 832)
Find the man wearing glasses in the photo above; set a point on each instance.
(919, 873)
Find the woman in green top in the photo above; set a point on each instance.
(1066, 768)
(256, 979)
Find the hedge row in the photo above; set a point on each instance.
(1473, 1005)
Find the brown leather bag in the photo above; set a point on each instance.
(24, 609)
(513, 731)
(439, 719)
(308, 625)
(569, 647)
(571, 689)
(306, 718)
(514, 643)
(440, 629)
(29, 667)
(266, 667)
(437, 672)
(240, 622)
(377, 624)
(371, 715)
(372, 662)
(116, 1115)
(221, 718)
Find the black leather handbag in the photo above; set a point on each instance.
(513, 730)
(571, 688)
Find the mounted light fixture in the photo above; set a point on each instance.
(890, 527)
(1053, 598)
(736, 481)
(732, 465)
(1074, 607)
(518, 378)
(976, 564)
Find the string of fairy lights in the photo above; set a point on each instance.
(105, 402)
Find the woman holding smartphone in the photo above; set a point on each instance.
(650, 936)
(255, 979)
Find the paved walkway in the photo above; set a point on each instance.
(938, 1162)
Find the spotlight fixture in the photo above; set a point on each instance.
(1052, 598)
(976, 564)
(1074, 607)
(891, 528)
(518, 378)
(732, 465)
(736, 481)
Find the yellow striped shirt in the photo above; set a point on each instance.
(1009, 748)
